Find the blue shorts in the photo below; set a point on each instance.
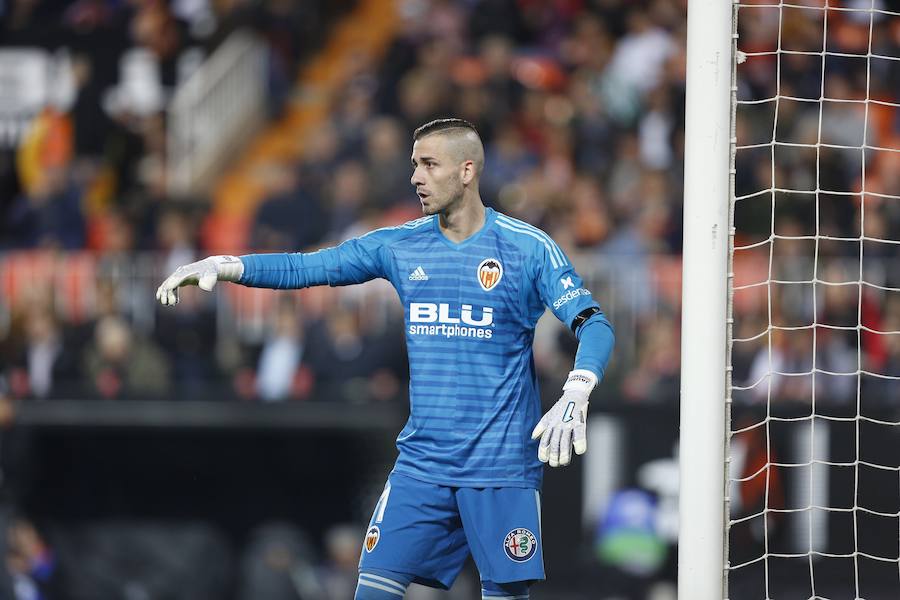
(428, 530)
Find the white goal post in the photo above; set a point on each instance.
(708, 134)
(790, 351)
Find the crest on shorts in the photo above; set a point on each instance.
(372, 537)
(490, 271)
(520, 545)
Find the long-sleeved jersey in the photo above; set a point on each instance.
(470, 312)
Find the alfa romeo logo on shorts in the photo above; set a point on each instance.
(520, 545)
(372, 537)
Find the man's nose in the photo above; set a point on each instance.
(416, 178)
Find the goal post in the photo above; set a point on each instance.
(790, 389)
(707, 181)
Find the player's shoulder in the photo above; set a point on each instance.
(522, 230)
(527, 236)
(403, 231)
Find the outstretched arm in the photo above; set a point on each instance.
(355, 261)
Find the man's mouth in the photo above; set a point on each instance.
(422, 194)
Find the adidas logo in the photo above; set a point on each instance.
(418, 275)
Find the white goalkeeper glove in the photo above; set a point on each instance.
(564, 424)
(204, 273)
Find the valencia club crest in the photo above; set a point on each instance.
(490, 271)
(372, 537)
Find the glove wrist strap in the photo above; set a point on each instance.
(229, 268)
(580, 380)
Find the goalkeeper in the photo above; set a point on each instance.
(473, 283)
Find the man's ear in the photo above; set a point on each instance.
(468, 172)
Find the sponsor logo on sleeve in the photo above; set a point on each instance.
(569, 296)
(567, 282)
(520, 545)
(490, 272)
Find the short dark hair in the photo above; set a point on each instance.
(442, 124)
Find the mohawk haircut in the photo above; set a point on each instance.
(442, 125)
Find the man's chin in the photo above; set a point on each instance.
(429, 209)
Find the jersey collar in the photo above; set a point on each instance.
(489, 216)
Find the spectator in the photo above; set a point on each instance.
(339, 571)
(279, 564)
(31, 563)
(387, 165)
(278, 374)
(43, 366)
(348, 198)
(509, 159)
(47, 215)
(351, 360)
(291, 216)
(656, 377)
(636, 64)
(188, 341)
(121, 365)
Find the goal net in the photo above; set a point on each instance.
(813, 334)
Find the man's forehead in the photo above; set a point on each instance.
(430, 145)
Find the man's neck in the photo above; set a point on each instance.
(462, 222)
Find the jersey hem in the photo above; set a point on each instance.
(468, 483)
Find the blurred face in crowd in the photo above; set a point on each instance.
(113, 339)
(350, 184)
(444, 166)
(40, 325)
(384, 139)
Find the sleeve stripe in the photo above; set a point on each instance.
(523, 226)
(383, 580)
(378, 586)
(528, 226)
(550, 252)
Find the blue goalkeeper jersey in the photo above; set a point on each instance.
(470, 312)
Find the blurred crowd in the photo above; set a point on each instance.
(834, 214)
(122, 559)
(580, 104)
(581, 107)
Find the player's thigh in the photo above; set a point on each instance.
(416, 529)
(503, 528)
